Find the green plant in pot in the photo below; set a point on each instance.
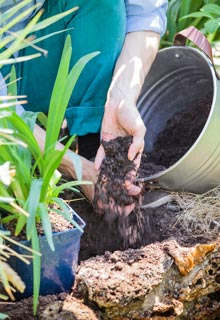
(9, 279)
(36, 185)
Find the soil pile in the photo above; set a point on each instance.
(180, 133)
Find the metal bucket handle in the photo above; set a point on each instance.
(193, 34)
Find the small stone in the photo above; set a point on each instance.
(118, 266)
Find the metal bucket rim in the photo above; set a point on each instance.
(156, 176)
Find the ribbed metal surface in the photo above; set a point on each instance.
(179, 76)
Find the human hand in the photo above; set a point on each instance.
(121, 116)
(116, 192)
(122, 119)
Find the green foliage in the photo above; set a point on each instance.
(202, 14)
(30, 182)
(20, 39)
(35, 184)
(212, 13)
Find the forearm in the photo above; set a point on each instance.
(133, 64)
(67, 165)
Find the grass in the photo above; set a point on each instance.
(199, 214)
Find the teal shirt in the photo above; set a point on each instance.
(102, 28)
(141, 14)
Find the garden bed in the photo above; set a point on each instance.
(153, 262)
(144, 266)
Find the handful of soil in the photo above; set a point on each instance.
(111, 196)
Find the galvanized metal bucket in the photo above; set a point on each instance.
(179, 75)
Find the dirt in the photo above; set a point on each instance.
(110, 195)
(100, 240)
(159, 224)
(105, 234)
(151, 283)
(112, 199)
(180, 133)
(62, 306)
(58, 224)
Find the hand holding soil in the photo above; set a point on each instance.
(116, 192)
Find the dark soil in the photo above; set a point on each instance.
(101, 238)
(180, 133)
(58, 224)
(108, 230)
(112, 197)
(62, 306)
(116, 169)
(158, 224)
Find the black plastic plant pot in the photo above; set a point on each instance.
(57, 267)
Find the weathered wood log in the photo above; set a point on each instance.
(158, 281)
